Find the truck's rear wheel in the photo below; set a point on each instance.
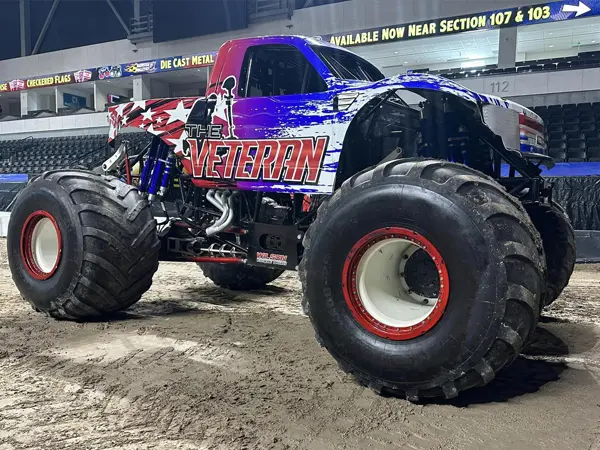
(81, 245)
(422, 278)
(239, 277)
(558, 237)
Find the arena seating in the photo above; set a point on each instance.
(583, 60)
(573, 131)
(34, 156)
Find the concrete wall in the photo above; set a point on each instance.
(339, 17)
(101, 91)
(13, 108)
(159, 89)
(539, 83)
(188, 89)
(558, 99)
(80, 124)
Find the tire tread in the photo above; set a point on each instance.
(129, 249)
(486, 196)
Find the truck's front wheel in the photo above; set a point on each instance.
(81, 245)
(422, 278)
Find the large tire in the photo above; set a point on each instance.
(487, 246)
(239, 277)
(106, 240)
(558, 238)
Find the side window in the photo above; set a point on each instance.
(198, 113)
(272, 70)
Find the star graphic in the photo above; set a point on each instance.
(159, 120)
(147, 115)
(142, 126)
(153, 131)
(121, 108)
(138, 104)
(179, 113)
(124, 120)
(179, 143)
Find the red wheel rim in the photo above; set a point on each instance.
(40, 258)
(360, 308)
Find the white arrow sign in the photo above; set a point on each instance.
(580, 9)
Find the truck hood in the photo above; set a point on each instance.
(530, 125)
(417, 81)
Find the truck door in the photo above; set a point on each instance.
(278, 114)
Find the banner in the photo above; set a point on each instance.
(109, 72)
(511, 17)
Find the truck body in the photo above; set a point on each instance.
(287, 131)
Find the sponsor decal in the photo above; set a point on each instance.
(187, 62)
(141, 67)
(17, 85)
(81, 76)
(271, 258)
(110, 72)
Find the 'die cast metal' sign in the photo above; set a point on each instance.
(511, 17)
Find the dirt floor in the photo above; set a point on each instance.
(196, 367)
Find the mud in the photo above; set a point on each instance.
(196, 367)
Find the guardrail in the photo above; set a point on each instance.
(261, 10)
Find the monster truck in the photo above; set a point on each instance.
(425, 238)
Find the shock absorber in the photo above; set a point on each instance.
(164, 185)
(149, 164)
(157, 171)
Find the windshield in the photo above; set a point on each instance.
(346, 65)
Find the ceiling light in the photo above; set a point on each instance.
(472, 64)
(405, 62)
(551, 46)
(395, 53)
(593, 42)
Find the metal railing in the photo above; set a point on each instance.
(141, 29)
(144, 24)
(261, 10)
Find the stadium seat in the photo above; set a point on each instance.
(557, 136)
(593, 154)
(556, 127)
(576, 155)
(572, 126)
(559, 154)
(587, 127)
(555, 111)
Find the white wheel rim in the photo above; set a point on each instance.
(45, 245)
(41, 245)
(383, 289)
